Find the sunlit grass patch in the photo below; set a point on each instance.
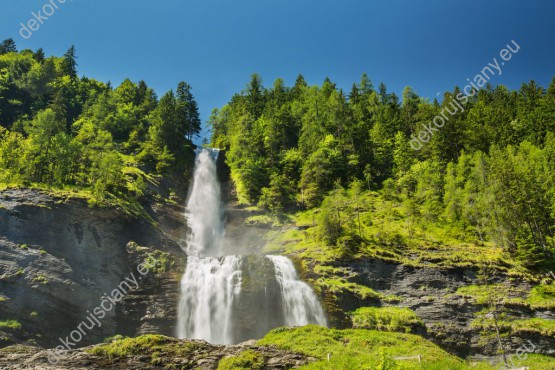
(360, 349)
(245, 360)
(542, 297)
(130, 346)
(398, 319)
(10, 324)
(517, 326)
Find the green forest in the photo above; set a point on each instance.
(61, 131)
(484, 178)
(344, 158)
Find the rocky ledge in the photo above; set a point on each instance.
(156, 352)
(431, 292)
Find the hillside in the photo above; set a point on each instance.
(417, 251)
(459, 230)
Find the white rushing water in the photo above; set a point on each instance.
(300, 304)
(211, 284)
(208, 289)
(204, 209)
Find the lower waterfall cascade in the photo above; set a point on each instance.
(226, 299)
(300, 304)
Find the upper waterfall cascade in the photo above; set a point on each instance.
(223, 299)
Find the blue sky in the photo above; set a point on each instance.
(216, 45)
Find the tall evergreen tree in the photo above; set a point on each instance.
(39, 55)
(255, 96)
(188, 114)
(70, 62)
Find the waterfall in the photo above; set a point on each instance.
(300, 304)
(204, 209)
(217, 304)
(207, 292)
(209, 284)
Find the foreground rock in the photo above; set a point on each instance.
(154, 352)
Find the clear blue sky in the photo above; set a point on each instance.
(216, 45)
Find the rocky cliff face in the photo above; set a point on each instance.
(58, 257)
(259, 308)
(429, 291)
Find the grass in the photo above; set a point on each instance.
(542, 297)
(163, 262)
(157, 350)
(317, 257)
(10, 324)
(120, 348)
(127, 205)
(397, 319)
(245, 360)
(169, 352)
(360, 349)
(339, 285)
(540, 326)
(535, 325)
(114, 338)
(479, 294)
(157, 261)
(535, 362)
(264, 220)
(389, 233)
(356, 349)
(40, 279)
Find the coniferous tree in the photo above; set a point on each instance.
(39, 55)
(8, 46)
(70, 62)
(298, 88)
(188, 114)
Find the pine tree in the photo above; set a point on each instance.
(171, 134)
(354, 95)
(8, 46)
(382, 91)
(70, 62)
(366, 87)
(403, 155)
(39, 55)
(300, 85)
(188, 113)
(42, 131)
(255, 96)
